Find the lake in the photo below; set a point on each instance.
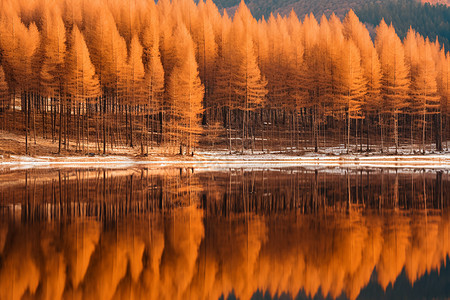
(224, 233)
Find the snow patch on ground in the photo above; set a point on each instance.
(223, 160)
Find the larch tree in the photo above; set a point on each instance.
(154, 75)
(10, 24)
(105, 44)
(135, 85)
(358, 33)
(411, 47)
(214, 15)
(423, 76)
(109, 56)
(126, 14)
(186, 12)
(28, 44)
(150, 33)
(284, 58)
(72, 11)
(395, 82)
(154, 84)
(353, 84)
(314, 69)
(326, 66)
(52, 72)
(297, 74)
(81, 81)
(206, 55)
(4, 95)
(372, 73)
(223, 92)
(443, 85)
(323, 72)
(296, 68)
(205, 33)
(186, 92)
(278, 63)
(249, 86)
(261, 44)
(167, 24)
(427, 92)
(18, 45)
(332, 43)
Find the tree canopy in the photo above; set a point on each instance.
(176, 74)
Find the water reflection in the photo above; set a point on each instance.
(142, 234)
(112, 194)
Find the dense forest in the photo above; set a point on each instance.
(97, 75)
(429, 20)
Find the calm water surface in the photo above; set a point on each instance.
(165, 233)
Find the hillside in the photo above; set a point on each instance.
(261, 8)
(428, 17)
(445, 2)
(301, 7)
(428, 20)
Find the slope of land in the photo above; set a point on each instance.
(264, 8)
(428, 20)
(444, 2)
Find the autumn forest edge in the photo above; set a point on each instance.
(176, 76)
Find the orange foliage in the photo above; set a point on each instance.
(323, 71)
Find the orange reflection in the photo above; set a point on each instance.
(187, 254)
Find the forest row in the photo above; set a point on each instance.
(98, 75)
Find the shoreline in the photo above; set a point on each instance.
(221, 160)
(12, 156)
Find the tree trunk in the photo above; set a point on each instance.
(87, 128)
(368, 133)
(131, 110)
(26, 121)
(424, 125)
(396, 131)
(243, 131)
(34, 118)
(229, 129)
(316, 134)
(380, 118)
(348, 132)
(60, 124)
(438, 132)
(142, 135)
(104, 123)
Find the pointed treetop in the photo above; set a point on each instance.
(243, 12)
(351, 14)
(293, 16)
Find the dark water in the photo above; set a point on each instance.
(165, 233)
